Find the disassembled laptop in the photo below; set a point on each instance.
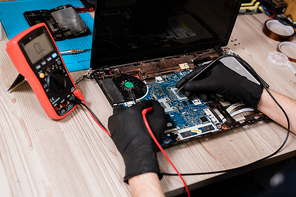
(187, 118)
(141, 49)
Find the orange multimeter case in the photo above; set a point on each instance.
(37, 58)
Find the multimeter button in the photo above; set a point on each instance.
(43, 63)
(54, 55)
(57, 82)
(56, 108)
(49, 59)
(59, 61)
(38, 67)
(41, 75)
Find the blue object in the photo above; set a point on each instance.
(14, 22)
(186, 118)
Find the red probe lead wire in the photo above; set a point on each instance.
(144, 112)
(97, 121)
(80, 96)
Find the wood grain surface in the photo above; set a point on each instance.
(74, 157)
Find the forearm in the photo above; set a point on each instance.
(146, 185)
(267, 106)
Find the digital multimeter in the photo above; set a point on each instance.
(37, 58)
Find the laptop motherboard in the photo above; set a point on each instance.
(187, 118)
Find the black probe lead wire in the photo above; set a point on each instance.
(260, 160)
(97, 119)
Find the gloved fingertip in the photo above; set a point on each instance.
(145, 104)
(188, 94)
(203, 97)
(157, 107)
(211, 96)
(181, 82)
(188, 86)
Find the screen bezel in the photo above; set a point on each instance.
(97, 62)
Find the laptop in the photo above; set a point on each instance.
(142, 48)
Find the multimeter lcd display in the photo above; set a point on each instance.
(37, 58)
(38, 48)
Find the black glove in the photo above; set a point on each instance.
(132, 139)
(219, 79)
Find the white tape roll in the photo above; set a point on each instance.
(289, 49)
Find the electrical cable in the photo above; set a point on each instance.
(79, 99)
(233, 106)
(259, 160)
(144, 112)
(205, 67)
(230, 109)
(241, 111)
(236, 113)
(95, 118)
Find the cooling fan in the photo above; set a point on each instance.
(122, 88)
(130, 87)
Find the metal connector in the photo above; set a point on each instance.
(74, 51)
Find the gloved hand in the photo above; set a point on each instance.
(219, 79)
(133, 140)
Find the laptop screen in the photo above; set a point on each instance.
(132, 31)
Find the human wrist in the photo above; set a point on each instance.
(146, 184)
(265, 100)
(250, 93)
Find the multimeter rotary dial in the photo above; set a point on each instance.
(57, 82)
(34, 53)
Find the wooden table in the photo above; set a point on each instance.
(74, 157)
